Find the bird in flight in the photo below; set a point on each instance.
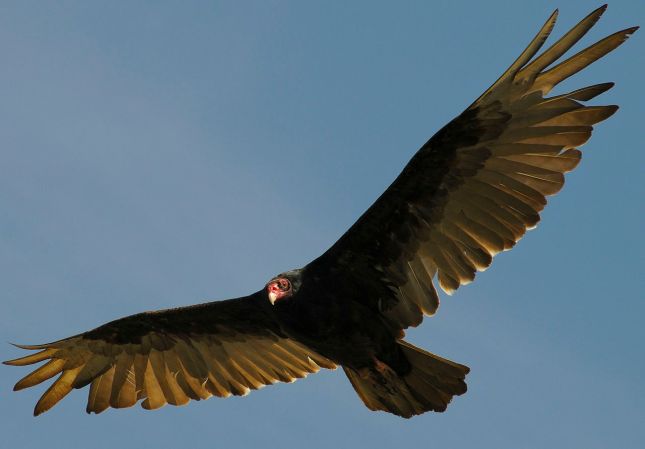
(470, 192)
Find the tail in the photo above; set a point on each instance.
(430, 384)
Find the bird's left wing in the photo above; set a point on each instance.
(171, 356)
(474, 188)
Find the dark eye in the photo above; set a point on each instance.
(284, 284)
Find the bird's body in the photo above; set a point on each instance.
(470, 192)
(335, 323)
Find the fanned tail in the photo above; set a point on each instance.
(429, 386)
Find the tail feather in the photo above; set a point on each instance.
(429, 386)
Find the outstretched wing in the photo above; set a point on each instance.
(171, 356)
(478, 185)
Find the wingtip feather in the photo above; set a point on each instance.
(631, 30)
(30, 347)
(611, 110)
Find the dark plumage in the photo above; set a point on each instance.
(471, 191)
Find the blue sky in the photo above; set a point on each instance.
(158, 154)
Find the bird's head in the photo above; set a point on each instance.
(283, 286)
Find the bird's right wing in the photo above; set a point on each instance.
(477, 185)
(171, 356)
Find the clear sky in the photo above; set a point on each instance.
(158, 154)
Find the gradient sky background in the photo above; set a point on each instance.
(157, 154)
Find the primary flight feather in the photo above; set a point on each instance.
(471, 191)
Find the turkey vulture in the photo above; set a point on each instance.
(471, 191)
